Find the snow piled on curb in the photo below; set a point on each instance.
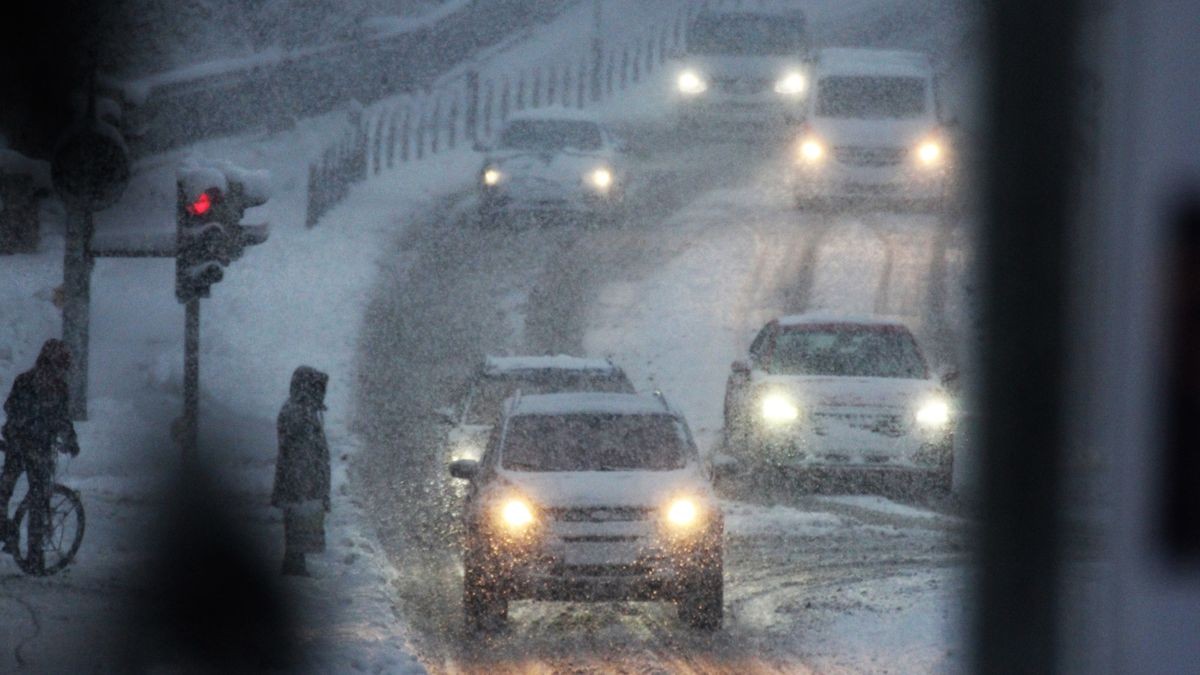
(297, 299)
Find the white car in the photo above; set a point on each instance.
(499, 377)
(747, 64)
(552, 162)
(833, 399)
(590, 497)
(872, 131)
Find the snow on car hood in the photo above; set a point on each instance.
(567, 167)
(846, 392)
(607, 488)
(872, 133)
(745, 66)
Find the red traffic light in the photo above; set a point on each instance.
(201, 206)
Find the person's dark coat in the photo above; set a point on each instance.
(37, 411)
(302, 470)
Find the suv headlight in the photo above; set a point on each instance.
(791, 84)
(691, 83)
(930, 153)
(934, 414)
(600, 178)
(683, 512)
(492, 176)
(777, 408)
(811, 150)
(516, 514)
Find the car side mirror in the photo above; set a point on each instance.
(723, 466)
(464, 469)
(740, 367)
(949, 378)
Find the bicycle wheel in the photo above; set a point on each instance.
(62, 538)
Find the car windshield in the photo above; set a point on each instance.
(847, 352)
(594, 442)
(544, 135)
(489, 392)
(858, 97)
(746, 35)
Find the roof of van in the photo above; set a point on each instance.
(823, 317)
(590, 403)
(788, 8)
(504, 365)
(847, 61)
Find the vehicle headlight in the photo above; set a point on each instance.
(792, 84)
(779, 409)
(934, 414)
(516, 514)
(929, 153)
(691, 83)
(492, 176)
(811, 150)
(683, 512)
(601, 178)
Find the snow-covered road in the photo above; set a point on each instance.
(711, 248)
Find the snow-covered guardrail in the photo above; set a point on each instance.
(470, 106)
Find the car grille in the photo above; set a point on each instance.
(884, 424)
(741, 85)
(601, 514)
(857, 156)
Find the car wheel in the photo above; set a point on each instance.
(485, 604)
(702, 599)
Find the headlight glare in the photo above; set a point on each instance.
(934, 414)
(492, 176)
(779, 409)
(811, 150)
(516, 514)
(691, 83)
(683, 512)
(929, 153)
(791, 84)
(601, 178)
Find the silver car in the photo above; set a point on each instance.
(590, 497)
(553, 162)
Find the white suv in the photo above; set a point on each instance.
(590, 496)
(873, 131)
(746, 64)
(840, 401)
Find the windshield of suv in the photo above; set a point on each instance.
(544, 135)
(594, 442)
(489, 392)
(858, 351)
(858, 97)
(747, 35)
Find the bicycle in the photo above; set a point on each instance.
(62, 535)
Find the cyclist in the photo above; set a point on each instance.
(36, 417)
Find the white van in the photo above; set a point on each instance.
(873, 131)
(744, 63)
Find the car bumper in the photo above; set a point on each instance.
(902, 182)
(607, 568)
(739, 110)
(580, 202)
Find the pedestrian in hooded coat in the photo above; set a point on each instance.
(302, 470)
(37, 420)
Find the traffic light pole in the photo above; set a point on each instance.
(191, 379)
(77, 290)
